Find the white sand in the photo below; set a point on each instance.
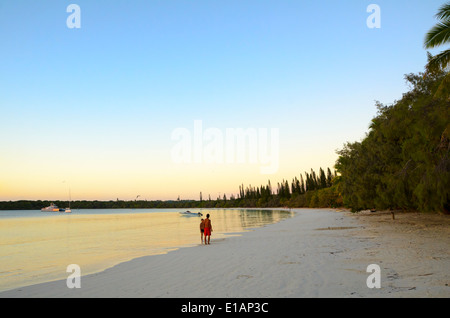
(318, 253)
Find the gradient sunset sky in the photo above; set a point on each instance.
(93, 109)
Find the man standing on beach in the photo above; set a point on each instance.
(208, 228)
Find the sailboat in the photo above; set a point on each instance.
(68, 210)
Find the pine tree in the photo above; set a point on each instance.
(302, 185)
(322, 179)
(329, 178)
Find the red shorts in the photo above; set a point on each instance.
(207, 231)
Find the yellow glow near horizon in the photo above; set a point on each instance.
(109, 173)
(95, 179)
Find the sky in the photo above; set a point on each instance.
(107, 110)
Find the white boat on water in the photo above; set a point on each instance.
(189, 213)
(51, 208)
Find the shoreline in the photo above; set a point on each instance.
(316, 253)
(98, 241)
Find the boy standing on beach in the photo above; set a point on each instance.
(208, 228)
(202, 229)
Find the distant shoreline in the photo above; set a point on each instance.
(33, 205)
(157, 204)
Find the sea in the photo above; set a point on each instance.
(37, 247)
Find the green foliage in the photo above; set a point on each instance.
(320, 190)
(403, 162)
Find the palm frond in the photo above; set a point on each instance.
(444, 12)
(440, 61)
(438, 35)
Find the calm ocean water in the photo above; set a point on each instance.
(38, 246)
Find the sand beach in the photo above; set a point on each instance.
(316, 253)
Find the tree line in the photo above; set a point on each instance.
(302, 191)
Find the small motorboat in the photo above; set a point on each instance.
(189, 213)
